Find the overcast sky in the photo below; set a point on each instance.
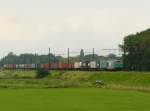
(35, 25)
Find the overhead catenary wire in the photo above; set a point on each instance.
(93, 52)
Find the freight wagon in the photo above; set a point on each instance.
(87, 65)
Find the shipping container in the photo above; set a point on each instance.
(103, 64)
(33, 66)
(17, 66)
(46, 66)
(54, 66)
(111, 64)
(77, 65)
(5, 65)
(21, 66)
(86, 64)
(12, 66)
(93, 64)
(29, 66)
(60, 65)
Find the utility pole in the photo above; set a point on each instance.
(68, 56)
(36, 61)
(49, 58)
(54, 58)
(124, 56)
(24, 61)
(93, 53)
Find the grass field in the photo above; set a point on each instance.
(74, 91)
(73, 99)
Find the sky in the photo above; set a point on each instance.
(32, 26)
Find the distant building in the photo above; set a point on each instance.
(81, 54)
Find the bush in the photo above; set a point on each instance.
(41, 73)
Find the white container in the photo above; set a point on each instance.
(110, 64)
(33, 66)
(5, 66)
(103, 64)
(21, 66)
(77, 65)
(93, 64)
(17, 66)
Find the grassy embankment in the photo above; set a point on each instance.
(65, 79)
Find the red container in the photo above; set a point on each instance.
(14, 66)
(54, 66)
(67, 66)
(42, 66)
(60, 66)
(46, 66)
(11, 66)
(29, 66)
(57, 66)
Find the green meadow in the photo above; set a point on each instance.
(20, 90)
(73, 99)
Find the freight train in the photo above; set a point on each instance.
(87, 65)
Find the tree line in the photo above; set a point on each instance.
(136, 50)
(12, 58)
